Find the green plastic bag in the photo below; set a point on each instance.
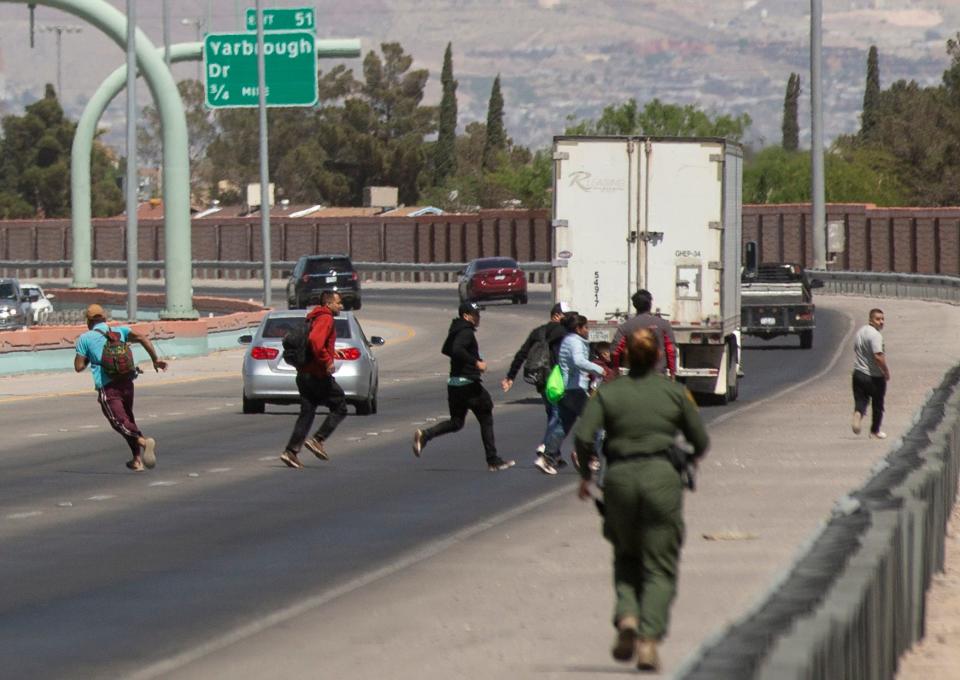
(554, 387)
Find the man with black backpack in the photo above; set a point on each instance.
(538, 356)
(106, 349)
(312, 353)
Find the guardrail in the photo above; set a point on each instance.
(537, 272)
(890, 285)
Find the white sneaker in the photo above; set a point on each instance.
(855, 423)
(545, 466)
(878, 435)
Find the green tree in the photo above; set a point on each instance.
(853, 175)
(871, 93)
(659, 119)
(445, 151)
(496, 138)
(791, 126)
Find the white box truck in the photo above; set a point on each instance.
(661, 214)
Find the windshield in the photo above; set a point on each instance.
(328, 264)
(279, 327)
(7, 290)
(497, 263)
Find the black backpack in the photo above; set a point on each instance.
(539, 361)
(296, 346)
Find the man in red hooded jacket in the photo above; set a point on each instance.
(316, 384)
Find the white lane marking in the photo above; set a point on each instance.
(62, 429)
(163, 483)
(373, 434)
(432, 420)
(152, 415)
(24, 515)
(214, 408)
(841, 348)
(385, 431)
(219, 469)
(65, 504)
(38, 434)
(193, 474)
(267, 458)
(89, 427)
(101, 497)
(229, 403)
(280, 616)
(354, 439)
(418, 422)
(175, 413)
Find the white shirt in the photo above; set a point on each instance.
(866, 344)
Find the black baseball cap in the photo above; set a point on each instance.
(468, 308)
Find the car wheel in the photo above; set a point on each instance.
(523, 299)
(253, 405)
(356, 304)
(364, 408)
(806, 339)
(515, 300)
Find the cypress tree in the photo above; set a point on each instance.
(791, 126)
(496, 134)
(445, 158)
(871, 93)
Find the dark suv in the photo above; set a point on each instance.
(314, 274)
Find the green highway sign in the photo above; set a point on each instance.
(282, 19)
(230, 69)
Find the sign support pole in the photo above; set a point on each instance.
(264, 157)
(133, 180)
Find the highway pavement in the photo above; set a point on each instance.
(209, 565)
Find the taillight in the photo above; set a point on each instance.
(264, 353)
(348, 354)
(353, 276)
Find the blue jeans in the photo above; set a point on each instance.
(569, 408)
(554, 425)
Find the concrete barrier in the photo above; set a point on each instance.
(854, 601)
(50, 348)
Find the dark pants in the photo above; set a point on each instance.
(460, 399)
(866, 389)
(644, 522)
(316, 392)
(570, 408)
(116, 400)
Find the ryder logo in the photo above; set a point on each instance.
(587, 182)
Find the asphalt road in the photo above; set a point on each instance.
(105, 571)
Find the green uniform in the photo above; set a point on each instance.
(642, 492)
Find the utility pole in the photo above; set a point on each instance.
(264, 156)
(818, 193)
(133, 179)
(60, 30)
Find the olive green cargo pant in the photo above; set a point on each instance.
(644, 522)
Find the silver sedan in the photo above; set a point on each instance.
(267, 378)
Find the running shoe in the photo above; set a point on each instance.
(290, 459)
(545, 466)
(498, 464)
(315, 446)
(150, 453)
(418, 443)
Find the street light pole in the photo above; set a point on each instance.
(818, 193)
(264, 156)
(197, 23)
(60, 30)
(133, 179)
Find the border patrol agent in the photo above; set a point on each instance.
(643, 493)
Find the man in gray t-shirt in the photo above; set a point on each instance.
(870, 374)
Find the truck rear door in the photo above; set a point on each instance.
(595, 211)
(681, 237)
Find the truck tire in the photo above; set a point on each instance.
(806, 339)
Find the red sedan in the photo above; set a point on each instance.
(493, 278)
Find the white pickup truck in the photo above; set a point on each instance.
(661, 214)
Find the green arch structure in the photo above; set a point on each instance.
(176, 166)
(80, 185)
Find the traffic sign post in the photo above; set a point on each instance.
(230, 69)
(287, 19)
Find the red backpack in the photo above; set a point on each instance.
(116, 360)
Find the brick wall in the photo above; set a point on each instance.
(910, 240)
